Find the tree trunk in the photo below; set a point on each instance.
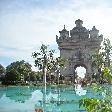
(44, 76)
(44, 82)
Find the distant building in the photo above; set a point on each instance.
(77, 46)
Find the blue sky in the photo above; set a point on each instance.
(25, 24)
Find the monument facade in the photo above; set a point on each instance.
(77, 46)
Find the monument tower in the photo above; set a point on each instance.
(77, 47)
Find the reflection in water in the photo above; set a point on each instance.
(19, 93)
(2, 91)
(79, 90)
(38, 105)
(54, 99)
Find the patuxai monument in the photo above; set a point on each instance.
(77, 46)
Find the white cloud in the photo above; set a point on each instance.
(26, 28)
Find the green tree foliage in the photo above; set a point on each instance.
(101, 59)
(98, 105)
(2, 72)
(106, 73)
(43, 58)
(45, 61)
(12, 75)
(98, 59)
(102, 55)
(56, 64)
(110, 74)
(107, 47)
(16, 69)
(32, 76)
(95, 105)
(39, 75)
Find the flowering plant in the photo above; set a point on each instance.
(83, 81)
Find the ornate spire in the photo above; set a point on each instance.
(64, 32)
(94, 28)
(94, 32)
(78, 23)
(79, 31)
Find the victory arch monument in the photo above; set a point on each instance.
(77, 46)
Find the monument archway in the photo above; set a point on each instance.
(78, 47)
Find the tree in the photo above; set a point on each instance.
(46, 62)
(107, 47)
(39, 75)
(18, 69)
(2, 72)
(12, 76)
(43, 60)
(98, 105)
(101, 59)
(32, 76)
(58, 63)
(98, 61)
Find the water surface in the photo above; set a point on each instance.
(51, 99)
